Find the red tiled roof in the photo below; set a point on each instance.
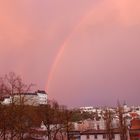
(134, 114)
(135, 124)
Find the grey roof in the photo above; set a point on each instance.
(41, 91)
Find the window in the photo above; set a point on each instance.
(104, 136)
(88, 137)
(95, 136)
(98, 127)
(113, 136)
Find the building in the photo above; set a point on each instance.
(135, 129)
(90, 124)
(94, 135)
(39, 97)
(89, 109)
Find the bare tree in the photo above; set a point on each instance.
(68, 122)
(56, 119)
(3, 122)
(122, 123)
(16, 112)
(108, 120)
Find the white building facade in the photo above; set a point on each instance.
(39, 97)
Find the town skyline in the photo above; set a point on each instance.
(82, 53)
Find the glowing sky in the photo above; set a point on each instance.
(85, 52)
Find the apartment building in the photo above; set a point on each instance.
(39, 97)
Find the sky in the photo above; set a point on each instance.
(82, 52)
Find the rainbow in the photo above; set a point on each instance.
(79, 26)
